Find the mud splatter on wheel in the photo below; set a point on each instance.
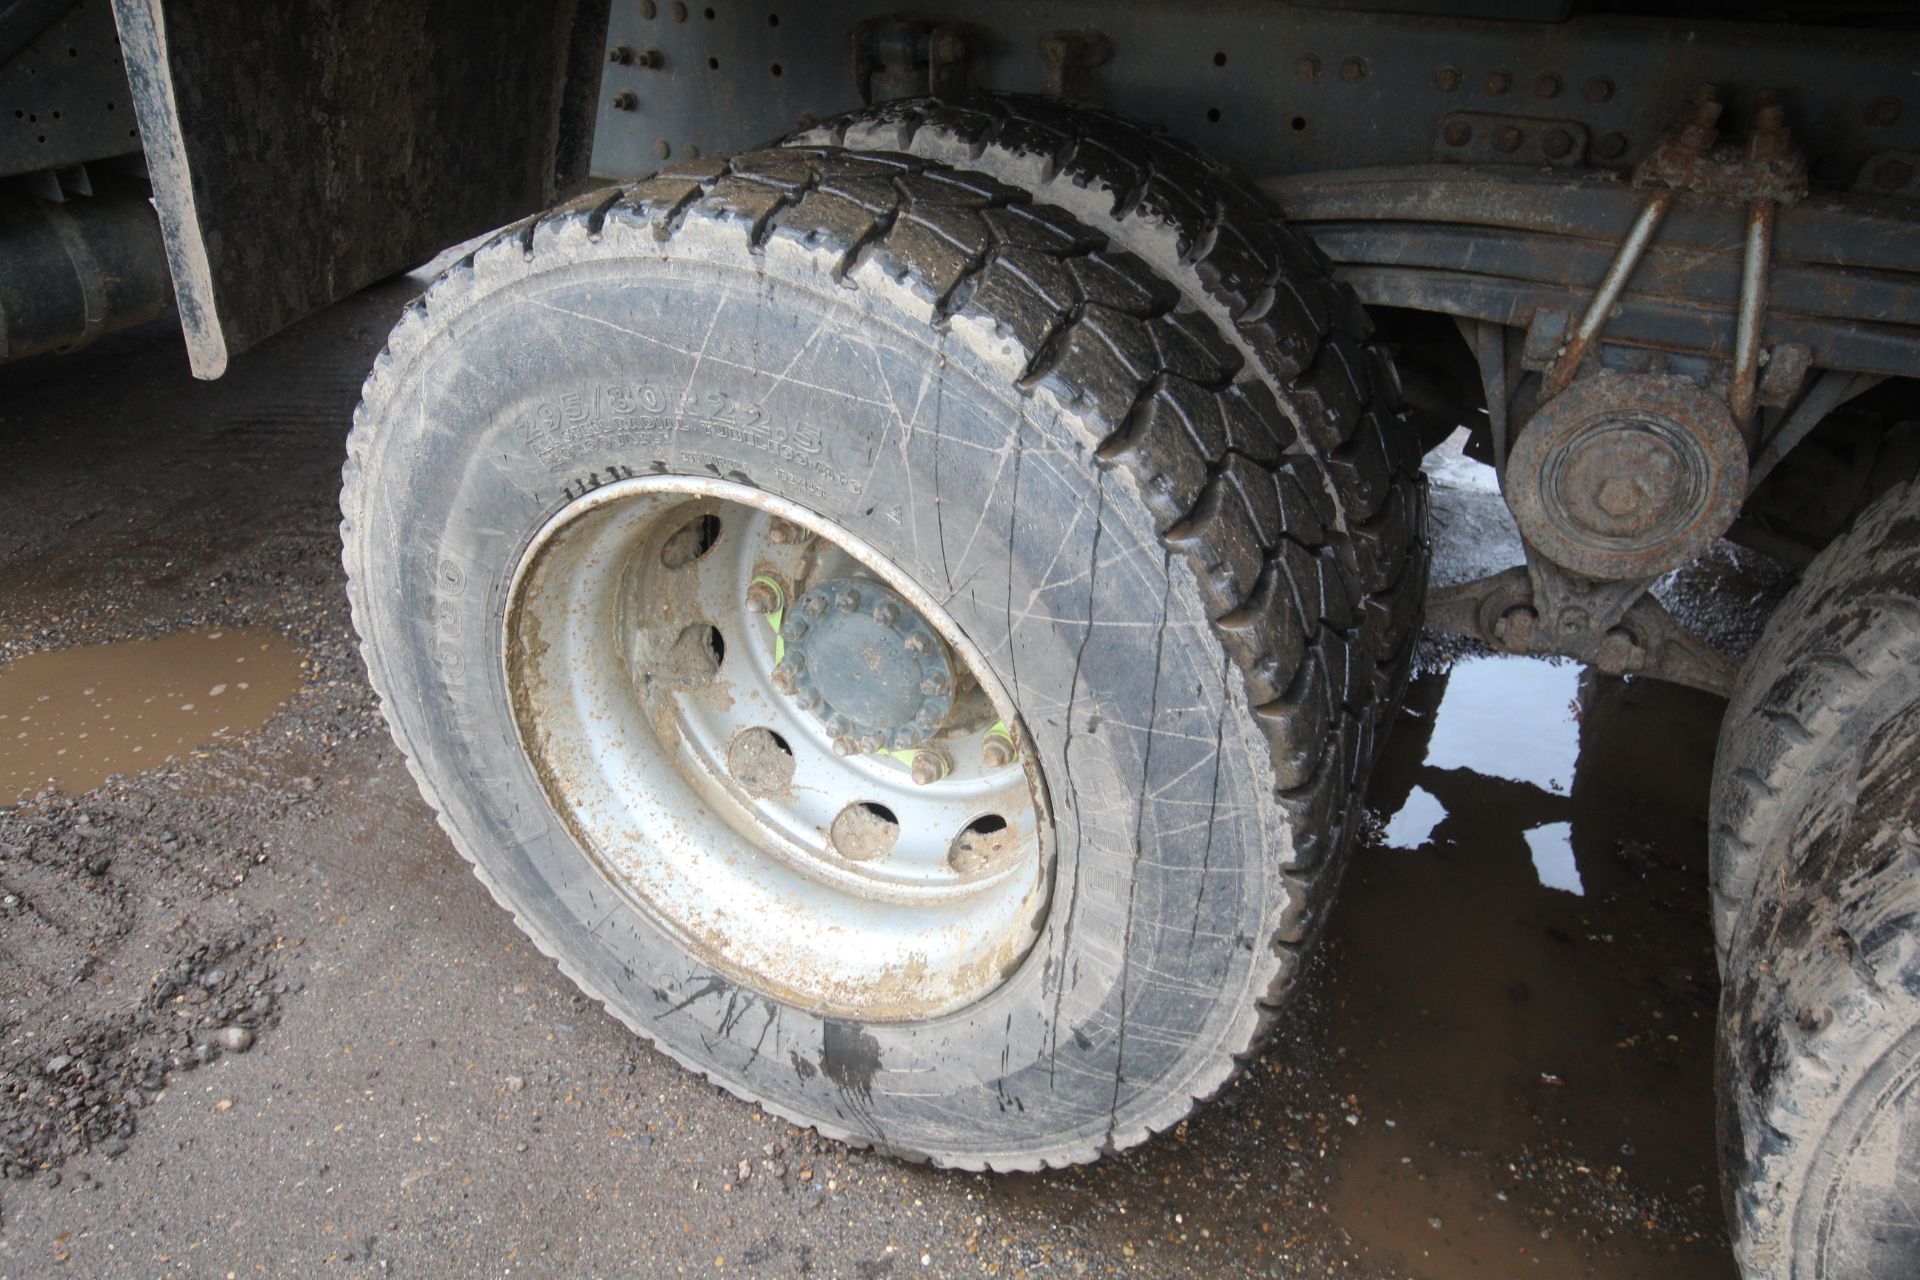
(601, 453)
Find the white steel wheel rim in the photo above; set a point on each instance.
(666, 763)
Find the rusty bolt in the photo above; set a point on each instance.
(1620, 652)
(1457, 133)
(809, 699)
(1573, 620)
(1597, 90)
(946, 46)
(846, 600)
(1497, 83)
(872, 740)
(1506, 138)
(783, 681)
(1308, 69)
(1892, 175)
(886, 613)
(1353, 70)
(845, 746)
(1882, 112)
(1547, 86)
(793, 627)
(620, 54)
(763, 596)
(930, 766)
(934, 685)
(786, 534)
(1557, 143)
(626, 100)
(997, 751)
(1447, 79)
(1514, 628)
(1610, 146)
(915, 644)
(651, 59)
(813, 606)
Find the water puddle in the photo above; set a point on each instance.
(70, 717)
(1526, 983)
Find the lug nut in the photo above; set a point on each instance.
(847, 600)
(809, 699)
(885, 613)
(933, 686)
(873, 740)
(930, 766)
(788, 534)
(763, 596)
(813, 606)
(916, 644)
(997, 751)
(793, 628)
(844, 746)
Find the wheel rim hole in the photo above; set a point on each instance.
(694, 657)
(760, 760)
(690, 541)
(864, 831)
(980, 844)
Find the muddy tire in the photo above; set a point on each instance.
(1817, 878)
(1039, 441)
(1221, 242)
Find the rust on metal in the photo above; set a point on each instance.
(1626, 476)
(1645, 640)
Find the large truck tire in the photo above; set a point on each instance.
(1221, 242)
(812, 479)
(1817, 878)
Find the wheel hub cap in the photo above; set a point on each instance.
(863, 663)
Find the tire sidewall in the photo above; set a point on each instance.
(593, 366)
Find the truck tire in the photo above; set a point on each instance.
(1820, 667)
(1219, 239)
(1819, 1054)
(993, 435)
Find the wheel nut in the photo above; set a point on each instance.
(787, 534)
(997, 751)
(872, 740)
(763, 596)
(916, 644)
(813, 606)
(885, 614)
(783, 680)
(809, 699)
(793, 628)
(843, 746)
(847, 601)
(930, 766)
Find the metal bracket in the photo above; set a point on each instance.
(1502, 611)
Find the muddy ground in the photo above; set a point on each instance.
(257, 1018)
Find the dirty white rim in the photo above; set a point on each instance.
(644, 693)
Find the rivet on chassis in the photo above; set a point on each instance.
(931, 765)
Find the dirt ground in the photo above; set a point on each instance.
(256, 1018)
